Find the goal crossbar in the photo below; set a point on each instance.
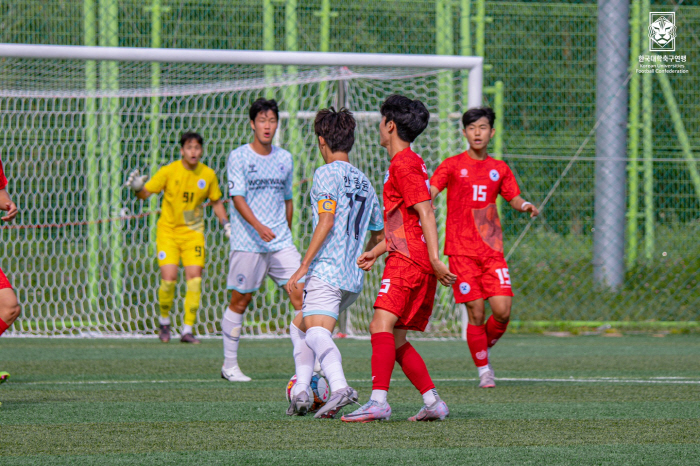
(255, 57)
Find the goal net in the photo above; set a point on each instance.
(81, 254)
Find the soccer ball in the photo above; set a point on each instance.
(318, 386)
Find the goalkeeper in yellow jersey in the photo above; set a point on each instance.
(187, 184)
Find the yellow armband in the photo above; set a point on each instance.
(326, 206)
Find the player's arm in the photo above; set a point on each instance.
(427, 221)
(6, 204)
(376, 247)
(220, 212)
(289, 210)
(521, 205)
(246, 212)
(136, 182)
(326, 220)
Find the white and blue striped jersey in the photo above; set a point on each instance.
(266, 182)
(357, 210)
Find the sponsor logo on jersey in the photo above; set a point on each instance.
(464, 288)
(463, 173)
(482, 355)
(161, 255)
(251, 168)
(240, 278)
(493, 174)
(201, 184)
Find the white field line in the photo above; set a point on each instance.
(602, 380)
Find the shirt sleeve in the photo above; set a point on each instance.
(3, 180)
(289, 182)
(441, 176)
(376, 219)
(214, 190)
(236, 175)
(412, 183)
(509, 187)
(157, 183)
(325, 186)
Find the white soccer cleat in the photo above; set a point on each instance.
(234, 374)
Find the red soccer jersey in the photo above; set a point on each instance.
(405, 185)
(3, 180)
(473, 227)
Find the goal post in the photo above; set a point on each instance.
(81, 253)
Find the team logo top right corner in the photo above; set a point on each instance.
(662, 31)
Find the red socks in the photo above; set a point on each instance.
(3, 326)
(414, 368)
(383, 359)
(494, 330)
(478, 344)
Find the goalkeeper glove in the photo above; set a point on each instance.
(227, 230)
(136, 181)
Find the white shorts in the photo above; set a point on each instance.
(246, 270)
(323, 299)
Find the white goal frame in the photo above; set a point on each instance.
(475, 65)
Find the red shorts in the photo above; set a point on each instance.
(480, 278)
(4, 282)
(407, 292)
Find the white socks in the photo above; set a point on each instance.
(379, 396)
(430, 397)
(320, 341)
(483, 369)
(231, 328)
(163, 320)
(186, 329)
(303, 360)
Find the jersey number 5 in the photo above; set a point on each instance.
(360, 212)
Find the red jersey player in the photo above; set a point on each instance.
(473, 237)
(413, 268)
(9, 306)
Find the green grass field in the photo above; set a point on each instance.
(633, 399)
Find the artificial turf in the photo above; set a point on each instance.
(577, 400)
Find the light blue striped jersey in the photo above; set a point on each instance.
(357, 210)
(266, 182)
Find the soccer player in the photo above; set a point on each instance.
(187, 184)
(345, 207)
(473, 237)
(413, 267)
(260, 181)
(9, 306)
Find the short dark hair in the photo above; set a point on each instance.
(263, 105)
(191, 135)
(473, 114)
(337, 128)
(410, 116)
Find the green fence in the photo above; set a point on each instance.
(544, 53)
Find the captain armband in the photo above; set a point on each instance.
(326, 206)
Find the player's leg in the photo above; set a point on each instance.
(246, 273)
(322, 305)
(193, 250)
(282, 265)
(303, 364)
(9, 311)
(168, 261)
(497, 284)
(193, 295)
(383, 359)
(468, 291)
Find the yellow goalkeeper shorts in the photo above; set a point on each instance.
(175, 246)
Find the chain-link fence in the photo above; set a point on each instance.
(644, 193)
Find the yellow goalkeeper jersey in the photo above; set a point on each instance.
(185, 192)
